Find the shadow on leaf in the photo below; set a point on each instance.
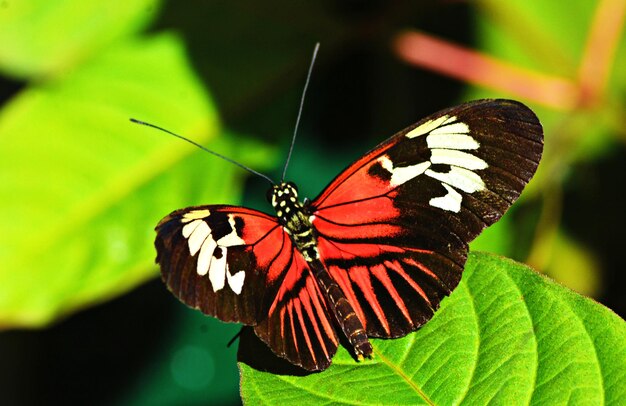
(256, 354)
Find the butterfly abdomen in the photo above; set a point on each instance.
(347, 318)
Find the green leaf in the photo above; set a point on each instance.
(532, 34)
(497, 238)
(573, 265)
(39, 37)
(506, 335)
(81, 187)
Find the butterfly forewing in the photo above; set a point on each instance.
(239, 265)
(393, 228)
(210, 258)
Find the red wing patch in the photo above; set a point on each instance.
(355, 183)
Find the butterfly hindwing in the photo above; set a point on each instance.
(299, 325)
(394, 227)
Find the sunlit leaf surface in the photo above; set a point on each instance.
(82, 188)
(45, 38)
(506, 335)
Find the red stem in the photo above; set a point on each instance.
(597, 61)
(456, 61)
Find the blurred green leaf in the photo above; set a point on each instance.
(535, 34)
(497, 238)
(574, 266)
(506, 335)
(45, 38)
(82, 188)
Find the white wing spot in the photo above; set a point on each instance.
(451, 141)
(199, 238)
(205, 256)
(198, 235)
(457, 158)
(189, 228)
(401, 175)
(427, 127)
(236, 281)
(386, 163)
(218, 270)
(447, 139)
(194, 215)
(459, 178)
(405, 174)
(456, 128)
(232, 238)
(450, 202)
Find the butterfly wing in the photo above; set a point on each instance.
(239, 265)
(393, 228)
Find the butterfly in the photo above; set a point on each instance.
(374, 254)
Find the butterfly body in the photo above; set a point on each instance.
(295, 219)
(374, 254)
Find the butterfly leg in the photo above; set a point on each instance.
(345, 315)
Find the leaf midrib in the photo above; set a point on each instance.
(402, 375)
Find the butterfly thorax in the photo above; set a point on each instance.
(295, 219)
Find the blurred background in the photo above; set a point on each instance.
(84, 318)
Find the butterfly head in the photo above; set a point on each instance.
(289, 210)
(284, 191)
(284, 194)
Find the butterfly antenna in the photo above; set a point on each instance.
(295, 130)
(205, 149)
(232, 340)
